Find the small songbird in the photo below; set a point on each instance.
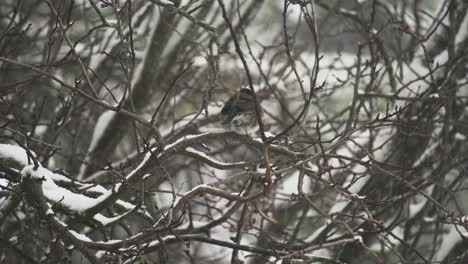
(238, 113)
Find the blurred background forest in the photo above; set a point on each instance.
(112, 150)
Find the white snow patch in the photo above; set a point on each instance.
(4, 182)
(104, 220)
(14, 152)
(142, 163)
(49, 212)
(358, 238)
(80, 236)
(58, 195)
(166, 2)
(460, 136)
(199, 61)
(203, 155)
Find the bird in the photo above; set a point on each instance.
(239, 114)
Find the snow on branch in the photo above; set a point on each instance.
(212, 162)
(15, 155)
(57, 195)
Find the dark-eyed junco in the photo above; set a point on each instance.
(239, 114)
